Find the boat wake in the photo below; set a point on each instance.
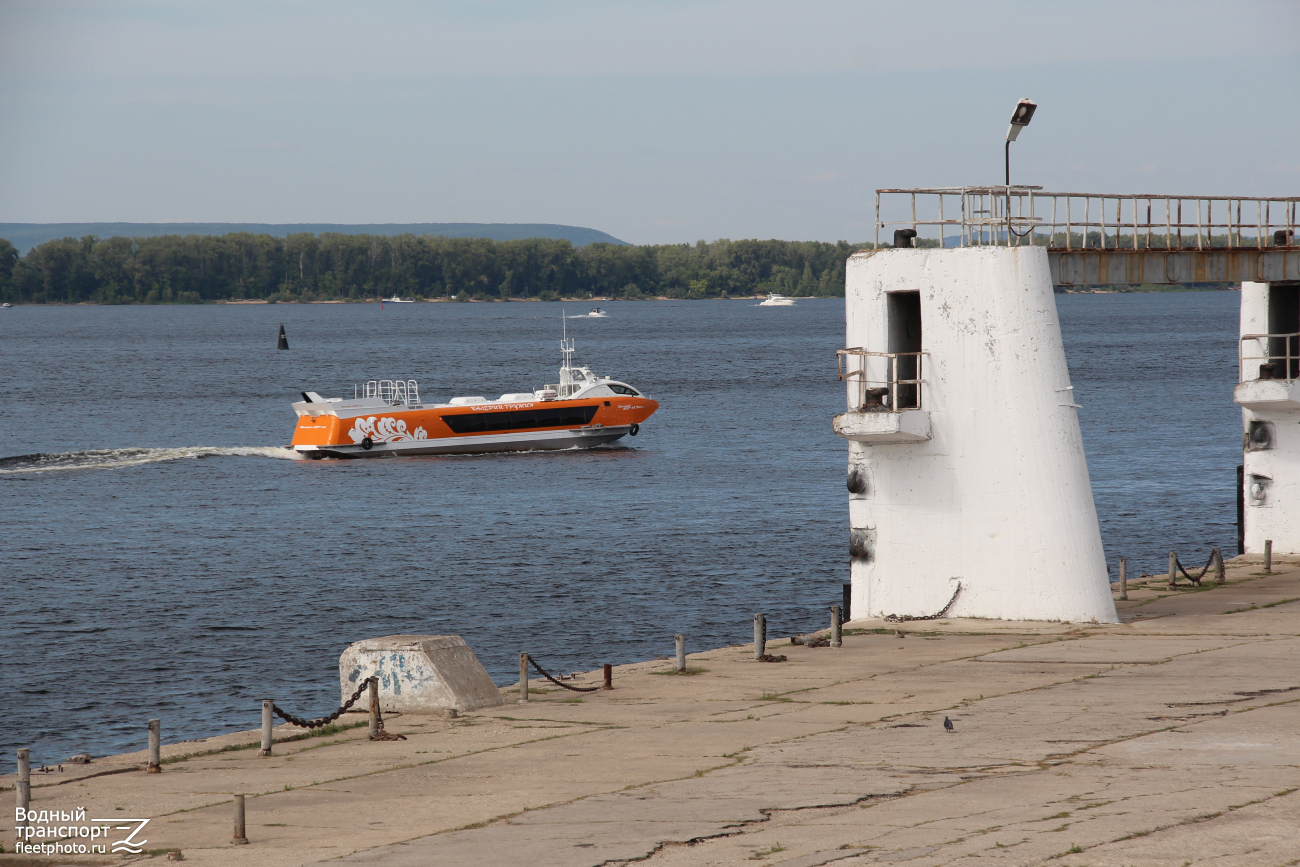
(107, 459)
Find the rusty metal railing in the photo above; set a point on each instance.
(1278, 357)
(1025, 215)
(899, 389)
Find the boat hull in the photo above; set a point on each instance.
(368, 429)
(524, 441)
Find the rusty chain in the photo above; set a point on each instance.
(1197, 580)
(325, 720)
(543, 673)
(380, 734)
(943, 612)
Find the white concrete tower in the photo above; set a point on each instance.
(1269, 395)
(965, 459)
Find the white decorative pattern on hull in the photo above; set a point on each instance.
(384, 430)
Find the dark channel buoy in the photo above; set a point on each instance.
(284, 341)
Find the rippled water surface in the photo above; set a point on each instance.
(164, 556)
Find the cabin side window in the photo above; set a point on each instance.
(521, 419)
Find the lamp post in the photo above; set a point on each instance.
(1020, 119)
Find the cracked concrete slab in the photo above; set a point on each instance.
(1161, 740)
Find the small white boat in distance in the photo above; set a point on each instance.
(397, 300)
(774, 300)
(597, 313)
(6, 305)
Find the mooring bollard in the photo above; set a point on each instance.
(609, 677)
(680, 640)
(24, 779)
(1268, 555)
(837, 619)
(760, 636)
(1123, 578)
(1173, 569)
(268, 714)
(848, 597)
(155, 746)
(374, 708)
(523, 678)
(1219, 573)
(239, 837)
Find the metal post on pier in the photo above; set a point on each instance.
(1219, 571)
(155, 746)
(1241, 510)
(1123, 578)
(1173, 569)
(268, 714)
(760, 636)
(24, 785)
(523, 678)
(239, 837)
(836, 622)
(1268, 555)
(680, 641)
(374, 708)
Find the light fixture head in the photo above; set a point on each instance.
(1021, 117)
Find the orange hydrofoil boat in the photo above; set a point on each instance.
(387, 417)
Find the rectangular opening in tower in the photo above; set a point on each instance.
(1284, 324)
(904, 315)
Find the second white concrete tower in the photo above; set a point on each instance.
(966, 464)
(1269, 395)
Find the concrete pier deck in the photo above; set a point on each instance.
(1172, 738)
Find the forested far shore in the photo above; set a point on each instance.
(193, 269)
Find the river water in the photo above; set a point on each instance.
(165, 558)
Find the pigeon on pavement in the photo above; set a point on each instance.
(947, 724)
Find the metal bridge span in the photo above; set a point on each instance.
(1099, 239)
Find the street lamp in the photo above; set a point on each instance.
(1020, 119)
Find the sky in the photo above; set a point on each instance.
(658, 121)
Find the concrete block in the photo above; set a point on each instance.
(419, 673)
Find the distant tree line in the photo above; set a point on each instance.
(195, 269)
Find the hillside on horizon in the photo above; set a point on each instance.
(25, 236)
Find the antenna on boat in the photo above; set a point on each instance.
(566, 349)
(566, 344)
